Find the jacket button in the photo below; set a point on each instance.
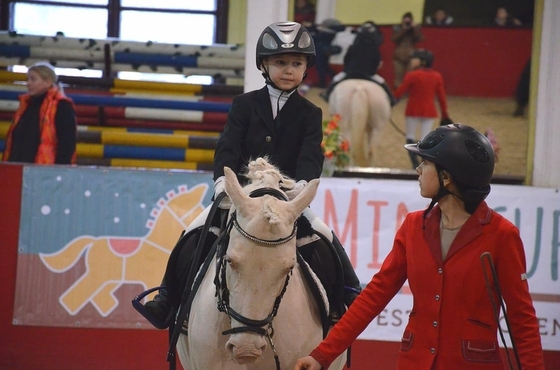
(434, 324)
(437, 297)
(432, 350)
(268, 139)
(440, 270)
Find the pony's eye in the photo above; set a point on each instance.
(229, 261)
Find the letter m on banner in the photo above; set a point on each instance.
(350, 224)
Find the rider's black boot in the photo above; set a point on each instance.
(160, 309)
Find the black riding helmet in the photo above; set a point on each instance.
(285, 37)
(425, 56)
(466, 154)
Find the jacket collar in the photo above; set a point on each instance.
(288, 113)
(470, 230)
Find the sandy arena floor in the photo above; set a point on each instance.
(481, 113)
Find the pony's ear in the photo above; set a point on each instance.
(304, 199)
(233, 188)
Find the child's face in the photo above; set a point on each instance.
(414, 63)
(286, 70)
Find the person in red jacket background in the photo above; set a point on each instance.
(44, 126)
(453, 323)
(423, 84)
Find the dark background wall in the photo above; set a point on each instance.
(481, 12)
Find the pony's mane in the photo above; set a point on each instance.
(261, 173)
(269, 211)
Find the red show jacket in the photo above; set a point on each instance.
(422, 86)
(451, 325)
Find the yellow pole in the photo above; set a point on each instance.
(535, 62)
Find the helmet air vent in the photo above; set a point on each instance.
(269, 42)
(477, 151)
(430, 141)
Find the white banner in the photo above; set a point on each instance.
(365, 215)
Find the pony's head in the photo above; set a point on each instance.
(260, 256)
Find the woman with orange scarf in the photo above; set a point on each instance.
(44, 126)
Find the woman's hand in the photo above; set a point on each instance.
(307, 363)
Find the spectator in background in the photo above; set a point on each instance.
(439, 18)
(323, 34)
(423, 85)
(405, 36)
(44, 126)
(504, 19)
(304, 13)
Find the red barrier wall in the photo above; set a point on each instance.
(482, 62)
(46, 348)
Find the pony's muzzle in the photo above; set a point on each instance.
(246, 348)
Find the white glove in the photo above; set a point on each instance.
(298, 187)
(219, 187)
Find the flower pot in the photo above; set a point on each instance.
(328, 167)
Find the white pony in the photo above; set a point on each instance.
(268, 317)
(365, 110)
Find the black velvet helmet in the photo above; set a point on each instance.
(460, 150)
(425, 56)
(285, 37)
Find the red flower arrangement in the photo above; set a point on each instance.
(335, 146)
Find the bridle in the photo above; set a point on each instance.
(220, 281)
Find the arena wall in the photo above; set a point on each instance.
(481, 62)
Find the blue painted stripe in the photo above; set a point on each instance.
(21, 51)
(140, 152)
(150, 130)
(156, 59)
(117, 101)
(2, 145)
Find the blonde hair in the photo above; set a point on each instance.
(45, 70)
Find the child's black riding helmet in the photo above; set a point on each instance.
(285, 37)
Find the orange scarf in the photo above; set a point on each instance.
(46, 153)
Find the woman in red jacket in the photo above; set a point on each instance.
(423, 85)
(439, 251)
(44, 126)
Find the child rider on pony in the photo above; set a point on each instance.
(277, 123)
